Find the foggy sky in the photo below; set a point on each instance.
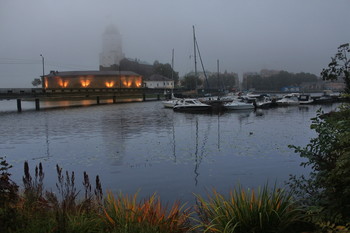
(245, 35)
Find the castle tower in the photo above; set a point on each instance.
(111, 47)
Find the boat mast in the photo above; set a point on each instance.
(195, 56)
(172, 68)
(172, 65)
(217, 62)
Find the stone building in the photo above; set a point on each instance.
(92, 79)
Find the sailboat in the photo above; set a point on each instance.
(216, 103)
(170, 103)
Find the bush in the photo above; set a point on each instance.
(327, 188)
(245, 211)
(125, 214)
(8, 198)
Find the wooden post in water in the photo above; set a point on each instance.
(98, 100)
(143, 96)
(19, 105)
(37, 104)
(114, 99)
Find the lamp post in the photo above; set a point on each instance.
(42, 58)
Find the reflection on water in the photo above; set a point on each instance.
(135, 146)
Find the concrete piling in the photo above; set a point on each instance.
(19, 105)
(37, 104)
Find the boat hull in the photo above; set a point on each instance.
(169, 103)
(191, 108)
(238, 106)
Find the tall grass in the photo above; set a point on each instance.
(247, 211)
(125, 214)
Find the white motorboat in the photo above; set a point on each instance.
(305, 99)
(191, 105)
(170, 103)
(263, 102)
(288, 100)
(236, 105)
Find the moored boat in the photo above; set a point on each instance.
(263, 101)
(305, 99)
(191, 105)
(236, 105)
(170, 103)
(288, 100)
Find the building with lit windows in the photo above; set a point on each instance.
(92, 79)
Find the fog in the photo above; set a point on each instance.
(245, 35)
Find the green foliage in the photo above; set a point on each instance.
(277, 81)
(339, 67)
(328, 185)
(36, 82)
(8, 189)
(191, 82)
(244, 211)
(147, 70)
(225, 81)
(165, 70)
(8, 198)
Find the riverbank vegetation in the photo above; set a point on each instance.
(316, 203)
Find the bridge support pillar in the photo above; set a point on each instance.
(143, 96)
(19, 105)
(37, 104)
(98, 100)
(114, 99)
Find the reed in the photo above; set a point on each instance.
(248, 211)
(125, 214)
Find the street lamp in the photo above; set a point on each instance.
(42, 58)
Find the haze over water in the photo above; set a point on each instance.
(143, 146)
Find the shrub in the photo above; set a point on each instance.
(327, 188)
(8, 198)
(247, 211)
(125, 214)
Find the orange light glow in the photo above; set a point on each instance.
(109, 84)
(63, 83)
(46, 83)
(127, 83)
(138, 84)
(85, 83)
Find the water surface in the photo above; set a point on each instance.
(145, 147)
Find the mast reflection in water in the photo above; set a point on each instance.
(145, 147)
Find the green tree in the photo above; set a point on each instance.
(328, 185)
(225, 81)
(190, 82)
(339, 67)
(277, 81)
(165, 70)
(36, 82)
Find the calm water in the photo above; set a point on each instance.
(145, 147)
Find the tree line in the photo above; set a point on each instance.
(277, 81)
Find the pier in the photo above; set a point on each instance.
(38, 94)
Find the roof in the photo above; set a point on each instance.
(91, 72)
(157, 77)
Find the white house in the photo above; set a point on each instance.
(158, 81)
